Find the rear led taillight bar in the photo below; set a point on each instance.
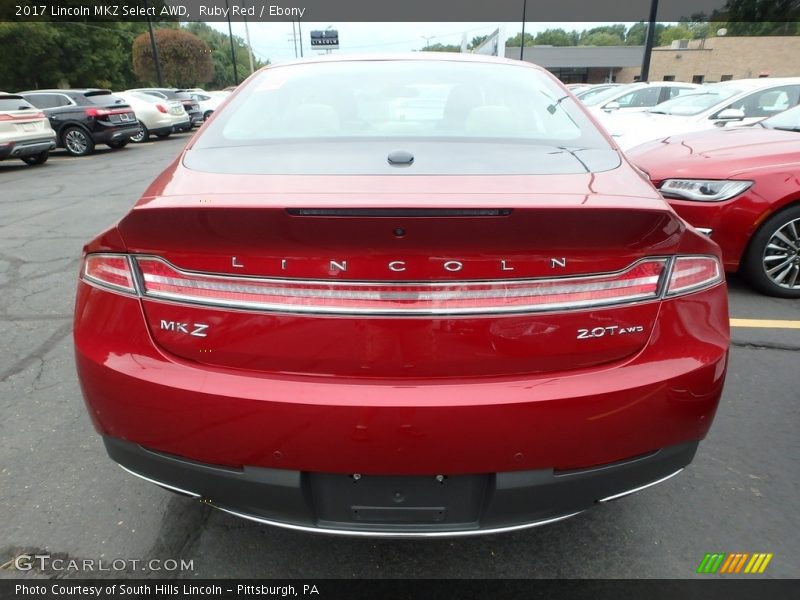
(104, 112)
(25, 117)
(641, 281)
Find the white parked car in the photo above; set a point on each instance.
(25, 131)
(208, 101)
(637, 97)
(730, 103)
(156, 116)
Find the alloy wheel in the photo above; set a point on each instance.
(76, 142)
(781, 258)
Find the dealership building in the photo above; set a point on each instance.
(701, 61)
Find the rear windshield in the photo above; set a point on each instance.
(104, 98)
(429, 100)
(695, 103)
(14, 103)
(593, 97)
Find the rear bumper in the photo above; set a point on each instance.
(103, 134)
(27, 147)
(665, 395)
(401, 506)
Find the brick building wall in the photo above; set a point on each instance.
(718, 58)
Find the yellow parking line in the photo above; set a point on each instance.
(765, 323)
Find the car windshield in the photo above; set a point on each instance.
(788, 120)
(693, 104)
(402, 99)
(593, 97)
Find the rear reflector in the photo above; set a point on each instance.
(690, 273)
(109, 270)
(638, 282)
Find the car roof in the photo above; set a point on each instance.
(65, 91)
(410, 56)
(756, 83)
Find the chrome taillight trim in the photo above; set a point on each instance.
(519, 284)
(132, 271)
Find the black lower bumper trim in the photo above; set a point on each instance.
(398, 505)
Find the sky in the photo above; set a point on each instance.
(273, 40)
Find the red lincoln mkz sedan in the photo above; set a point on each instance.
(741, 187)
(413, 296)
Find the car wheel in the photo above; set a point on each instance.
(772, 261)
(77, 141)
(207, 114)
(163, 135)
(37, 159)
(118, 145)
(142, 135)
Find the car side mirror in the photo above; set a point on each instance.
(611, 106)
(729, 114)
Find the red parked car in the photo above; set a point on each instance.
(337, 312)
(742, 187)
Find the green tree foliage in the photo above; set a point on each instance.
(757, 17)
(601, 38)
(477, 41)
(637, 34)
(185, 58)
(66, 54)
(442, 48)
(607, 35)
(515, 41)
(220, 47)
(557, 37)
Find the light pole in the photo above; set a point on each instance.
(233, 52)
(154, 47)
(427, 39)
(522, 42)
(649, 41)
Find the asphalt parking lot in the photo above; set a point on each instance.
(62, 495)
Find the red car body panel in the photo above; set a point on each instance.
(666, 394)
(769, 157)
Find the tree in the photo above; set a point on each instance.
(477, 41)
(67, 54)
(601, 38)
(220, 46)
(442, 48)
(185, 58)
(557, 37)
(637, 34)
(758, 17)
(516, 41)
(606, 35)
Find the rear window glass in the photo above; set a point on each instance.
(104, 99)
(14, 103)
(444, 100)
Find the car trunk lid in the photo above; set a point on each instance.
(327, 284)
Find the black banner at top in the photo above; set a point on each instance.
(543, 11)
